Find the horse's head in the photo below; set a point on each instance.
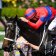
(9, 30)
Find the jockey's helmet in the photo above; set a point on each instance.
(30, 13)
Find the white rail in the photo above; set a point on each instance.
(1, 42)
(2, 33)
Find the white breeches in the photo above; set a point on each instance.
(21, 42)
(52, 24)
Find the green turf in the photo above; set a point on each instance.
(1, 37)
(1, 52)
(1, 28)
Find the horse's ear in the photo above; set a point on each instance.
(16, 17)
(6, 17)
(4, 21)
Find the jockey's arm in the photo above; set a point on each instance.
(21, 39)
(33, 46)
(34, 25)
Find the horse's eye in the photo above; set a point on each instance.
(11, 27)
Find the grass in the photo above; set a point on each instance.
(1, 28)
(1, 53)
(1, 37)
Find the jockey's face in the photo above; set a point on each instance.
(34, 18)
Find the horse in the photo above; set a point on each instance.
(27, 32)
(31, 35)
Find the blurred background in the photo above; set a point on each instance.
(18, 7)
(13, 7)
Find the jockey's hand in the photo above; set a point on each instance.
(23, 19)
(32, 45)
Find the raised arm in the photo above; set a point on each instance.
(35, 25)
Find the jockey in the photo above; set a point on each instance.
(36, 17)
(40, 15)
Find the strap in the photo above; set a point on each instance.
(8, 39)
